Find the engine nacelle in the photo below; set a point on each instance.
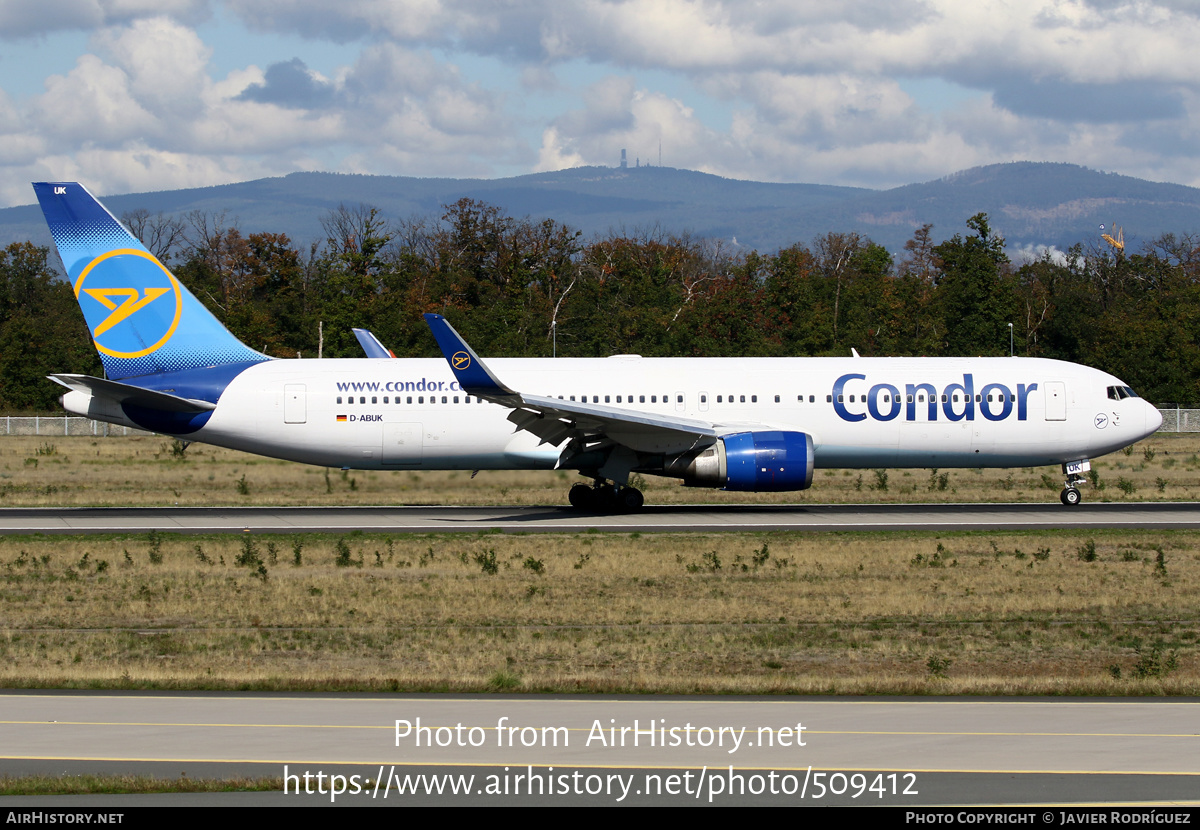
(761, 462)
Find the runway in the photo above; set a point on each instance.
(707, 518)
(613, 750)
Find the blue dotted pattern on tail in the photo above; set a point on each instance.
(143, 321)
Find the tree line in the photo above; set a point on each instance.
(519, 287)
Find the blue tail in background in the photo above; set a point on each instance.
(143, 321)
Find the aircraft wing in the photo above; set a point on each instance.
(122, 393)
(554, 420)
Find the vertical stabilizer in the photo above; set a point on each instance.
(143, 321)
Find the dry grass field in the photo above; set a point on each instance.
(149, 471)
(907, 613)
(918, 613)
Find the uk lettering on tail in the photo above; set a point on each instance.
(750, 424)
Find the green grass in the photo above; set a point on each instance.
(741, 613)
(136, 471)
(137, 784)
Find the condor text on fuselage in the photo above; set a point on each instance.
(995, 401)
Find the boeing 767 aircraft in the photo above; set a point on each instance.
(751, 424)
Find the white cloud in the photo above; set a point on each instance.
(91, 106)
(24, 18)
(165, 61)
(782, 90)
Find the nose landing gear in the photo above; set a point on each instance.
(1070, 496)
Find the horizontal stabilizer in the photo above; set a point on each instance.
(123, 393)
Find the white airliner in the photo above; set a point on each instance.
(751, 424)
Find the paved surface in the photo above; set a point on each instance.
(916, 751)
(561, 519)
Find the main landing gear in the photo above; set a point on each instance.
(605, 497)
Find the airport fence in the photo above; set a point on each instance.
(1175, 419)
(62, 425)
(1179, 419)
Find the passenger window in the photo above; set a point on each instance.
(641, 398)
(704, 399)
(741, 398)
(456, 398)
(829, 398)
(654, 399)
(754, 399)
(776, 399)
(339, 398)
(812, 398)
(606, 399)
(421, 399)
(410, 399)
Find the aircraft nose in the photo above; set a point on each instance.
(1154, 419)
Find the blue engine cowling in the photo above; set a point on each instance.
(766, 462)
(763, 462)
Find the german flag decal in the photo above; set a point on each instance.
(341, 418)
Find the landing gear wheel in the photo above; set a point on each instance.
(605, 497)
(631, 499)
(581, 497)
(1070, 496)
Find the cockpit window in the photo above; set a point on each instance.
(1119, 393)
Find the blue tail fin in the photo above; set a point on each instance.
(143, 320)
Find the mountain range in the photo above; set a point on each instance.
(1032, 204)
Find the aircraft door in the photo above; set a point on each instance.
(295, 404)
(1056, 400)
(403, 444)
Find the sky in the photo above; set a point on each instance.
(137, 95)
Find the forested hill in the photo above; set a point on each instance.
(1029, 204)
(518, 287)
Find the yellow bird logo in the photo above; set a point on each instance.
(130, 305)
(461, 360)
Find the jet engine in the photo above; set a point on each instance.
(760, 462)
